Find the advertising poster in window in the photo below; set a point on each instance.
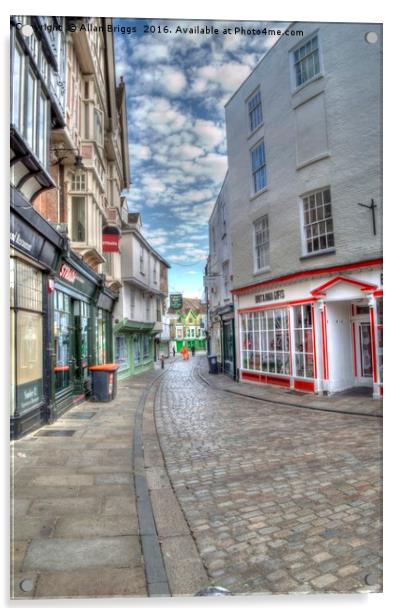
(197, 210)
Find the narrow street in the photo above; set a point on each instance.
(175, 486)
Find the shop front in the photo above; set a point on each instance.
(318, 331)
(228, 362)
(134, 347)
(82, 333)
(36, 249)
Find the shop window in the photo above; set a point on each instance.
(121, 352)
(318, 222)
(137, 349)
(101, 336)
(380, 340)
(78, 230)
(303, 336)
(265, 341)
(62, 340)
(146, 347)
(83, 351)
(26, 337)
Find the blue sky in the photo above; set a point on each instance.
(177, 85)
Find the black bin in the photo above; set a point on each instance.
(103, 382)
(213, 364)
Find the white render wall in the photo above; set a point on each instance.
(219, 250)
(337, 116)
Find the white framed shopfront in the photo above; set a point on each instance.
(304, 330)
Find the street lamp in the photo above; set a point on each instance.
(78, 164)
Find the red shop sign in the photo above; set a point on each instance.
(111, 237)
(68, 273)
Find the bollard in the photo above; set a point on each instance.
(213, 591)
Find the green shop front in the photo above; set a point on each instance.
(82, 331)
(134, 347)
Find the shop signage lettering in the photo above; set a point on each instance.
(19, 241)
(29, 394)
(68, 273)
(270, 296)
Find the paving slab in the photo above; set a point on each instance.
(184, 567)
(96, 525)
(70, 554)
(109, 582)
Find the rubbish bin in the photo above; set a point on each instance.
(103, 382)
(213, 364)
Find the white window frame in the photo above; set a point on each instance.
(142, 267)
(266, 267)
(18, 90)
(250, 112)
(319, 75)
(255, 192)
(305, 224)
(302, 353)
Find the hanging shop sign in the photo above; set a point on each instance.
(176, 301)
(111, 237)
(25, 238)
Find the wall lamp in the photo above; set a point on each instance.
(78, 164)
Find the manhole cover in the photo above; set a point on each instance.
(56, 432)
(81, 415)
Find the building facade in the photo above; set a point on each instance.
(219, 280)
(141, 304)
(187, 325)
(306, 212)
(69, 164)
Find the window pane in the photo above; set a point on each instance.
(78, 219)
(29, 347)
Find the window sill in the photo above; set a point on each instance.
(319, 253)
(262, 271)
(303, 85)
(255, 131)
(260, 192)
(316, 159)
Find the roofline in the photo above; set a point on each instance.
(217, 198)
(259, 63)
(147, 244)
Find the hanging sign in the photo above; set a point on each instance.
(111, 237)
(176, 301)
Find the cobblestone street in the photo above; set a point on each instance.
(278, 499)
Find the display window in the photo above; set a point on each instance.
(121, 352)
(101, 336)
(26, 325)
(265, 345)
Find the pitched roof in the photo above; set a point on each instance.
(190, 303)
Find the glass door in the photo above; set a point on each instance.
(365, 350)
(63, 342)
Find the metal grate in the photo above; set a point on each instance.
(81, 415)
(56, 433)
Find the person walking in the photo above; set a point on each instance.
(192, 350)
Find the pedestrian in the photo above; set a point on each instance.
(192, 350)
(174, 351)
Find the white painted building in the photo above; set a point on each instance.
(304, 151)
(138, 313)
(218, 282)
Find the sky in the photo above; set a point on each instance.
(176, 86)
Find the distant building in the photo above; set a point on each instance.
(141, 304)
(304, 158)
(187, 325)
(219, 280)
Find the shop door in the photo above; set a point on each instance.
(228, 348)
(64, 344)
(365, 359)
